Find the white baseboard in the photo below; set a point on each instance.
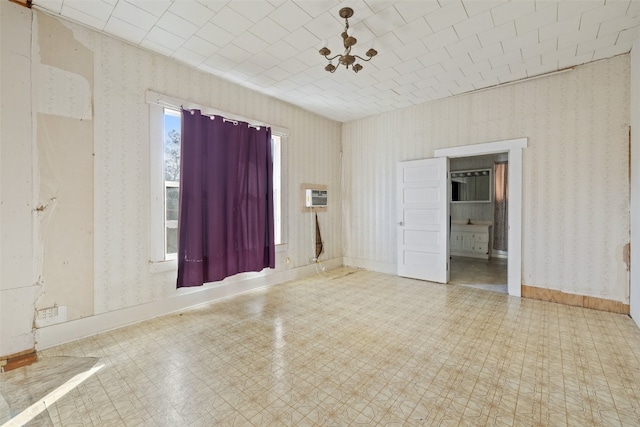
(380, 267)
(61, 333)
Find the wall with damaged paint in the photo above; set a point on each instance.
(63, 70)
(86, 167)
(19, 257)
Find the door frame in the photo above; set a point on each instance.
(514, 149)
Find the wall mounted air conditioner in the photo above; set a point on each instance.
(315, 198)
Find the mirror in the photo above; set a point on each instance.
(471, 186)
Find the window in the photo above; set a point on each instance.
(168, 120)
(171, 166)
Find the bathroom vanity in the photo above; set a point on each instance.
(470, 240)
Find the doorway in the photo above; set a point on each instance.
(478, 221)
(513, 148)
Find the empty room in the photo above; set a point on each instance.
(319, 212)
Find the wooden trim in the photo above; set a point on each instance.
(18, 360)
(25, 3)
(595, 303)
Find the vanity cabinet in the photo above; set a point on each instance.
(470, 240)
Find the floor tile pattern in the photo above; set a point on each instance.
(357, 348)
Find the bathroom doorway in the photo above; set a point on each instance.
(479, 221)
(514, 149)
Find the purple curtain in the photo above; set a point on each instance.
(225, 223)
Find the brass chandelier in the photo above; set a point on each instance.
(346, 59)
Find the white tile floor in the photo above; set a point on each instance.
(350, 348)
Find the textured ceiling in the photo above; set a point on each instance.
(427, 49)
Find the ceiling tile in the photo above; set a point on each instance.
(317, 7)
(234, 53)
(522, 67)
(475, 7)
(413, 31)
(281, 50)
(512, 10)
(412, 10)
(610, 51)
(164, 38)
(96, 9)
(411, 50)
(457, 62)
(154, 7)
(552, 31)
(568, 9)
(294, 66)
(250, 42)
(521, 41)
(268, 30)
(135, 16)
(554, 56)
(599, 43)
(450, 76)
(188, 56)
(384, 21)
(477, 67)
(200, 45)
(575, 60)
(582, 36)
(408, 66)
(220, 63)
(254, 10)
(231, 21)
(301, 39)
(265, 60)
(215, 35)
(506, 59)
(407, 78)
(464, 46)
(434, 57)
(539, 48)
(125, 30)
(325, 26)
(536, 20)
(611, 10)
(475, 25)
(386, 74)
(277, 74)
(497, 34)
(486, 52)
(451, 13)
(386, 60)
(616, 25)
(82, 17)
(157, 47)
(194, 12)
(177, 25)
(441, 39)
(290, 16)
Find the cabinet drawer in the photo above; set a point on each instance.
(480, 237)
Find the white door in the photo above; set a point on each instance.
(423, 219)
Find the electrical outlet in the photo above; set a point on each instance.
(51, 316)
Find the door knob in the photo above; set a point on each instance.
(401, 223)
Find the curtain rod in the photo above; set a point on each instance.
(177, 104)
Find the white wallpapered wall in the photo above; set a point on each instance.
(576, 179)
(121, 143)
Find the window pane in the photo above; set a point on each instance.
(171, 203)
(277, 193)
(171, 145)
(172, 239)
(172, 199)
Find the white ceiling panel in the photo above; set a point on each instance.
(255, 10)
(427, 49)
(192, 11)
(134, 15)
